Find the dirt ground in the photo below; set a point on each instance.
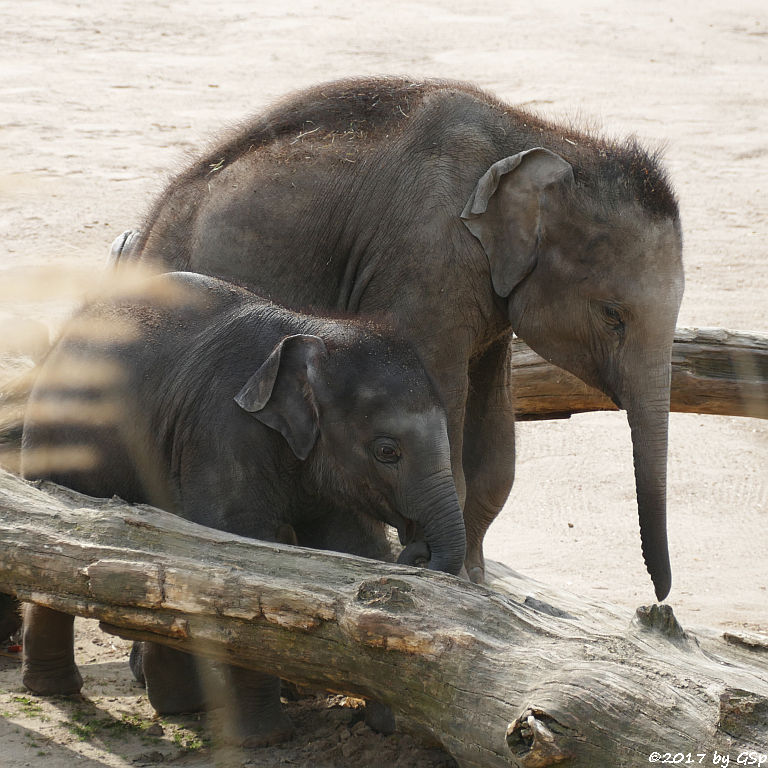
(98, 101)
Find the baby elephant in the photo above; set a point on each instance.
(198, 397)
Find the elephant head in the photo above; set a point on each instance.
(592, 273)
(364, 417)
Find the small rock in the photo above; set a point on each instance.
(155, 730)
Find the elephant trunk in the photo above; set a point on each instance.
(434, 505)
(648, 416)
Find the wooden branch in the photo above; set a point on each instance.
(714, 371)
(519, 674)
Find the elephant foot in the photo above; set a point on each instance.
(175, 703)
(48, 662)
(474, 563)
(171, 676)
(251, 715)
(266, 734)
(44, 681)
(476, 574)
(182, 700)
(244, 727)
(416, 553)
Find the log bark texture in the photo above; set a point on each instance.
(514, 673)
(714, 371)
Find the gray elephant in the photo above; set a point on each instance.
(466, 219)
(203, 399)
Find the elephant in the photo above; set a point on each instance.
(196, 396)
(465, 219)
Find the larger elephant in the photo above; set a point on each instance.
(465, 219)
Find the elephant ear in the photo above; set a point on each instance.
(504, 212)
(280, 393)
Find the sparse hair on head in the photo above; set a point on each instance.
(610, 171)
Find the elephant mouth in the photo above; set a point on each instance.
(416, 553)
(411, 535)
(403, 526)
(415, 550)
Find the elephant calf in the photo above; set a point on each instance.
(199, 397)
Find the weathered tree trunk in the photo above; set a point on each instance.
(513, 674)
(714, 371)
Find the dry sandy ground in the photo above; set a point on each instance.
(99, 100)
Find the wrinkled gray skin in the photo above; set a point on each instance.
(465, 219)
(200, 398)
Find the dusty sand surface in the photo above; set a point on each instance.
(98, 101)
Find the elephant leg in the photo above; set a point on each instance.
(489, 448)
(253, 715)
(171, 677)
(360, 535)
(181, 682)
(246, 704)
(136, 662)
(48, 661)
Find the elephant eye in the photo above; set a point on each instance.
(386, 450)
(612, 317)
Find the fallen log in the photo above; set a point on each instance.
(514, 673)
(714, 371)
